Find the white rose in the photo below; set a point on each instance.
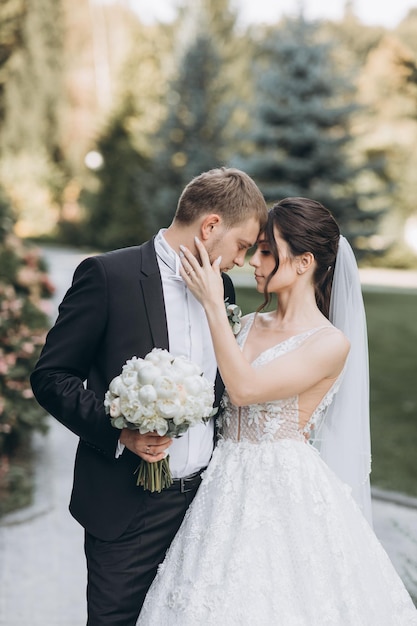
(165, 387)
(236, 327)
(147, 394)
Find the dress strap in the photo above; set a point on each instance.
(241, 337)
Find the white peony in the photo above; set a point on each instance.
(154, 424)
(181, 418)
(146, 375)
(129, 376)
(147, 394)
(159, 357)
(165, 387)
(161, 394)
(194, 385)
(117, 386)
(185, 368)
(129, 403)
(168, 407)
(138, 364)
(114, 408)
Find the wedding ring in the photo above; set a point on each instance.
(148, 450)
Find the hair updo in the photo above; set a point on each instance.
(306, 226)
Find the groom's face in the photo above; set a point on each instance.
(232, 243)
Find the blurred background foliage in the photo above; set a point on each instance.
(24, 282)
(104, 119)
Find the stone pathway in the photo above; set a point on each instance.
(42, 568)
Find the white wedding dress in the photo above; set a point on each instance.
(273, 537)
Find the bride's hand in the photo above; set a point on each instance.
(204, 281)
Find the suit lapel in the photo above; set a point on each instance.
(153, 296)
(229, 294)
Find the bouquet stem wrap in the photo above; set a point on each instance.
(154, 476)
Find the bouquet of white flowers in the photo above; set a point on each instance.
(159, 393)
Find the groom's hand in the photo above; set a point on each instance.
(150, 447)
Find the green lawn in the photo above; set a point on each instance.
(392, 330)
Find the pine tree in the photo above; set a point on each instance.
(117, 210)
(193, 137)
(301, 133)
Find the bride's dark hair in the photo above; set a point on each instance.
(306, 226)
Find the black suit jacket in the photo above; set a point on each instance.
(114, 310)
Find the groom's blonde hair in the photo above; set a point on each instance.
(227, 191)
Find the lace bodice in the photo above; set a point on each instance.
(272, 420)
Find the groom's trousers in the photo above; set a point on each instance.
(120, 572)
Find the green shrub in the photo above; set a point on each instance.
(24, 285)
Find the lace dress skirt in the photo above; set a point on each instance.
(274, 537)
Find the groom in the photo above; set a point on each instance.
(123, 304)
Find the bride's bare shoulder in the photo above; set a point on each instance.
(333, 341)
(261, 319)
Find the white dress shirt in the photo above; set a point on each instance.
(188, 335)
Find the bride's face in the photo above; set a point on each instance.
(264, 263)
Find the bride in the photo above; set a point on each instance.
(280, 529)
